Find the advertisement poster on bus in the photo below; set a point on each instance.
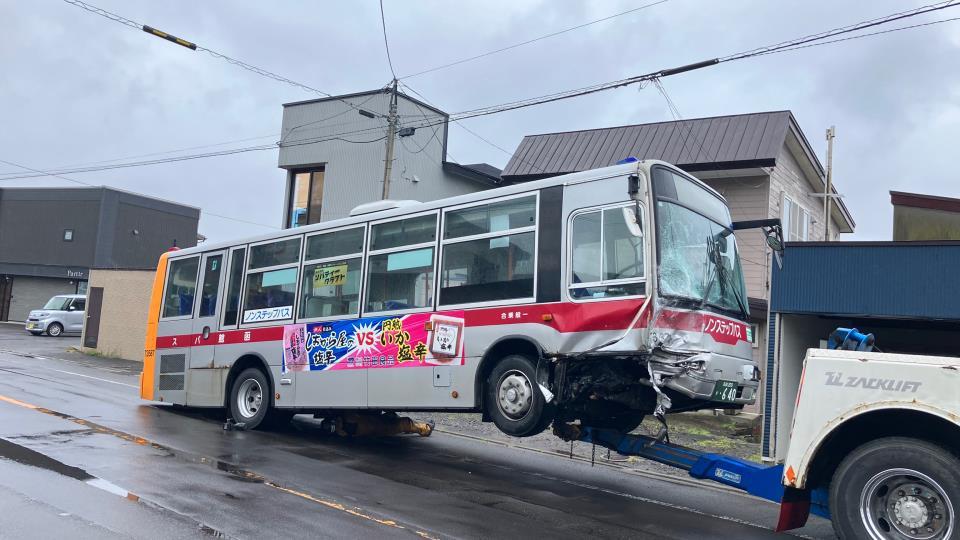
(399, 341)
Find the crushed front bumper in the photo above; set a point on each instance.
(696, 376)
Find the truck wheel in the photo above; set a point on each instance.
(896, 488)
(250, 398)
(513, 399)
(54, 329)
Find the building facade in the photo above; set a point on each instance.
(51, 237)
(334, 149)
(118, 301)
(924, 217)
(761, 163)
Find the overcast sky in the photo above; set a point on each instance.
(79, 88)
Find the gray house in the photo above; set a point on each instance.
(50, 238)
(762, 163)
(333, 150)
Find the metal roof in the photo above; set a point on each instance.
(929, 202)
(897, 280)
(744, 140)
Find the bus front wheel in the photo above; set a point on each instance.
(896, 488)
(513, 399)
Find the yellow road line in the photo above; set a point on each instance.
(356, 512)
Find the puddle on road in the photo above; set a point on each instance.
(26, 456)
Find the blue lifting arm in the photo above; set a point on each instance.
(762, 481)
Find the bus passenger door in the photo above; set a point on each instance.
(205, 384)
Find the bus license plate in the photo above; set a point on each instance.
(725, 391)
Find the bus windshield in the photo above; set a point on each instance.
(697, 249)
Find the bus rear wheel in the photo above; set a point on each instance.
(250, 398)
(513, 398)
(896, 488)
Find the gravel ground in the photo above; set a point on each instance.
(700, 430)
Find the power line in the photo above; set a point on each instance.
(201, 156)
(877, 33)
(529, 41)
(81, 182)
(474, 133)
(386, 44)
(778, 47)
(218, 55)
(495, 109)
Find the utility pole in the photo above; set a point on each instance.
(831, 133)
(391, 135)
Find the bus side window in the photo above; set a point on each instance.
(271, 281)
(232, 306)
(181, 288)
(489, 252)
(400, 264)
(607, 254)
(330, 286)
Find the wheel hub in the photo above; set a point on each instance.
(911, 512)
(515, 394)
(249, 398)
(903, 504)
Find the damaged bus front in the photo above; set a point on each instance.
(689, 344)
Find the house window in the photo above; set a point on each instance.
(795, 220)
(68, 235)
(306, 198)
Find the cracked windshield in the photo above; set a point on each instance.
(698, 256)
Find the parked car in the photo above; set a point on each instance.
(62, 313)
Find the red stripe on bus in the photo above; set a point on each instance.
(564, 317)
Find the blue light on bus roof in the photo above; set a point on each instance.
(630, 159)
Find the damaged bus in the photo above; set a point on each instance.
(599, 297)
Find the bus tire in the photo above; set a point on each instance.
(250, 398)
(513, 399)
(896, 487)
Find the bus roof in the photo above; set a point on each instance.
(400, 211)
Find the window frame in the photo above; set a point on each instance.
(365, 289)
(804, 212)
(226, 286)
(166, 281)
(263, 269)
(535, 229)
(204, 257)
(292, 186)
(603, 283)
(362, 255)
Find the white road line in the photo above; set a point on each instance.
(95, 378)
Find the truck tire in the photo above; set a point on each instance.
(896, 488)
(513, 399)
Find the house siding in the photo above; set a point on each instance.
(353, 163)
(788, 178)
(748, 198)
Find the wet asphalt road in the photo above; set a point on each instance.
(82, 456)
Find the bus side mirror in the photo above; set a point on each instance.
(631, 216)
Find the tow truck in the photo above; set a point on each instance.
(874, 445)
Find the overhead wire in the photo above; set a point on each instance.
(218, 55)
(577, 92)
(81, 182)
(386, 43)
(529, 41)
